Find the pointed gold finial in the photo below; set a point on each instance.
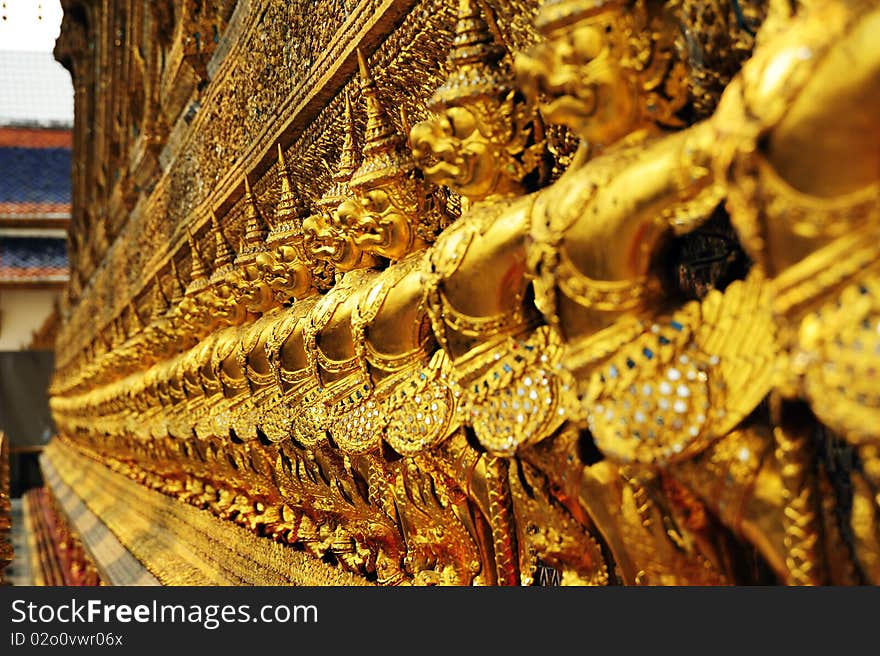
(290, 211)
(475, 62)
(102, 341)
(348, 159)
(198, 277)
(386, 155)
(346, 167)
(160, 302)
(288, 202)
(380, 134)
(366, 77)
(282, 161)
(473, 42)
(223, 255)
(197, 271)
(117, 334)
(255, 228)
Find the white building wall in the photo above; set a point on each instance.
(23, 311)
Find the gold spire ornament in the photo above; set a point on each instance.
(385, 156)
(475, 59)
(160, 303)
(198, 278)
(255, 231)
(285, 265)
(401, 214)
(224, 302)
(346, 166)
(177, 288)
(223, 253)
(290, 210)
(248, 272)
(194, 308)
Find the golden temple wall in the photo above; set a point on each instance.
(356, 295)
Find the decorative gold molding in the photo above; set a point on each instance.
(192, 547)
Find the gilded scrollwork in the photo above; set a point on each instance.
(581, 299)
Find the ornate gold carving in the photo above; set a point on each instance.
(517, 342)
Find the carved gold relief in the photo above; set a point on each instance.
(557, 294)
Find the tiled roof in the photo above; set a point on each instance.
(26, 137)
(34, 176)
(30, 259)
(35, 90)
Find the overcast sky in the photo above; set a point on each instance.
(34, 88)
(29, 24)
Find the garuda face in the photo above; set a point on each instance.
(576, 77)
(252, 286)
(383, 220)
(458, 151)
(287, 269)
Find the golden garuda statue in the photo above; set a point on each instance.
(581, 292)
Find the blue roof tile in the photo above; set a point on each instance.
(32, 253)
(34, 175)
